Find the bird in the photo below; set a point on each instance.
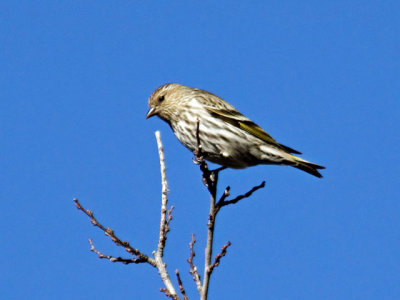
(226, 136)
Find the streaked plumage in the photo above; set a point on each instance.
(227, 137)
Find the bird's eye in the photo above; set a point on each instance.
(161, 99)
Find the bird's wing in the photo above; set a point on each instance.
(237, 119)
(234, 117)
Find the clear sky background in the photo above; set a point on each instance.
(321, 77)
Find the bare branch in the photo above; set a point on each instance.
(164, 200)
(109, 232)
(164, 224)
(125, 261)
(210, 179)
(219, 256)
(222, 202)
(178, 277)
(210, 238)
(193, 268)
(199, 160)
(198, 152)
(166, 217)
(90, 215)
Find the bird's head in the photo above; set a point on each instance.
(163, 100)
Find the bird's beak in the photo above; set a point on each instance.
(152, 112)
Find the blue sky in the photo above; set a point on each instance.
(321, 77)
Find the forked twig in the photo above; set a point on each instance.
(222, 202)
(210, 179)
(140, 257)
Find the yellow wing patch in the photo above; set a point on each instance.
(255, 130)
(237, 119)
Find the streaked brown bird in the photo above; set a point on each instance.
(227, 137)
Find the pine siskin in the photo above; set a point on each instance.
(227, 137)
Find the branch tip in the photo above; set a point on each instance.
(181, 288)
(217, 259)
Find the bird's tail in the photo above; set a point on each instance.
(288, 159)
(307, 166)
(310, 168)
